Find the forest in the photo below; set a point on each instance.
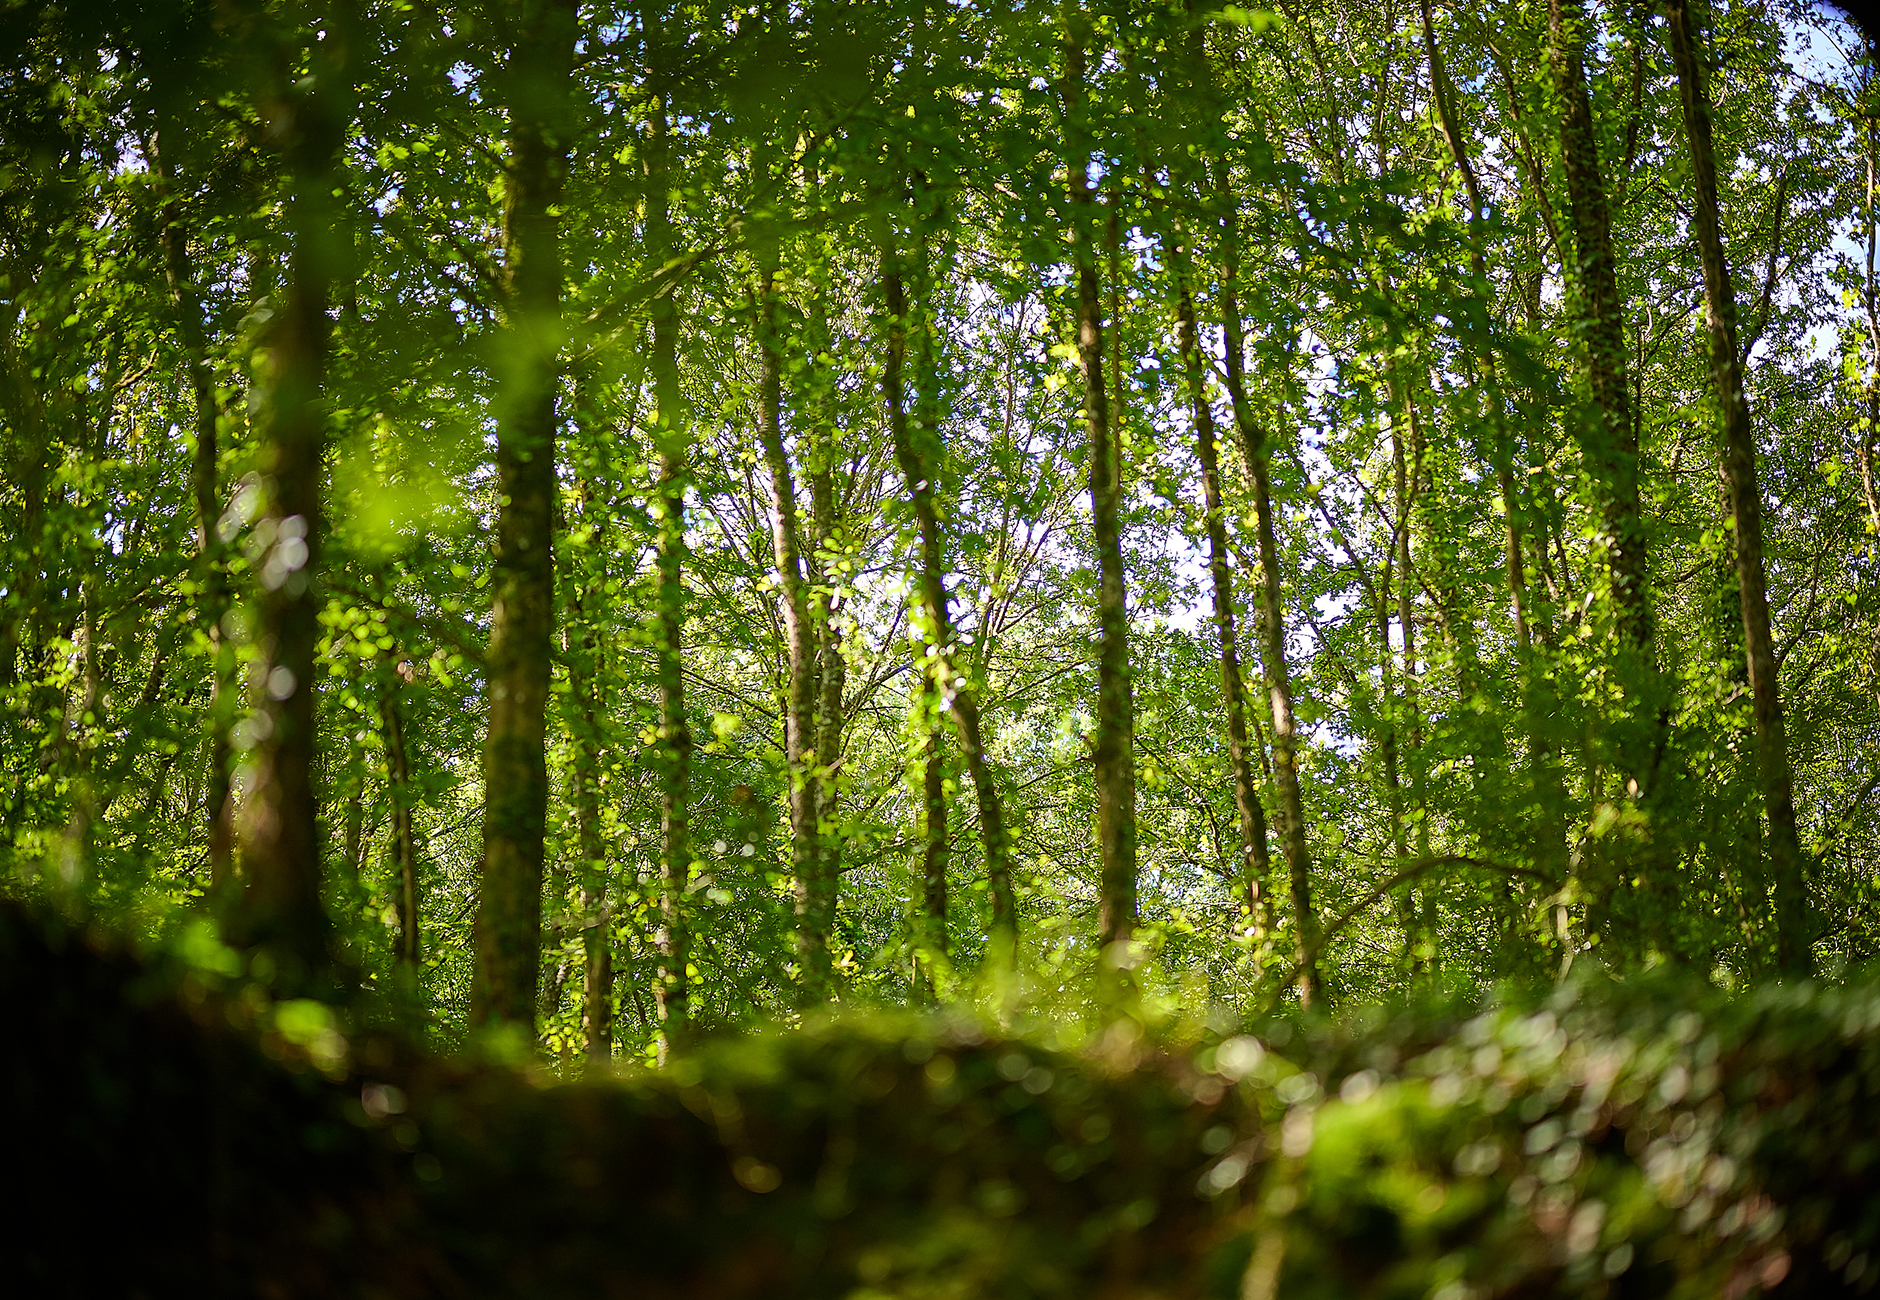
(548, 541)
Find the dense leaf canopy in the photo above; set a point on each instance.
(629, 522)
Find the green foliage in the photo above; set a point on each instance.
(1608, 1140)
(1468, 812)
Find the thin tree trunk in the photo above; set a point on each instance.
(281, 911)
(398, 792)
(1793, 941)
(81, 728)
(813, 921)
(596, 921)
(918, 450)
(205, 497)
(1253, 442)
(1870, 294)
(1388, 745)
(671, 435)
(831, 671)
(1406, 467)
(831, 667)
(1608, 436)
(1113, 747)
(586, 674)
(1549, 833)
(1609, 440)
(1256, 868)
(934, 835)
(508, 932)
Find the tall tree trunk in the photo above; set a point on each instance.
(586, 686)
(398, 792)
(1870, 296)
(508, 932)
(596, 921)
(1253, 443)
(1609, 440)
(82, 728)
(1388, 744)
(1548, 836)
(1113, 747)
(831, 667)
(1256, 868)
(1794, 944)
(1608, 436)
(813, 918)
(671, 436)
(1406, 470)
(919, 452)
(932, 631)
(281, 911)
(205, 498)
(934, 852)
(934, 842)
(824, 449)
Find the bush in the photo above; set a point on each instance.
(1656, 1141)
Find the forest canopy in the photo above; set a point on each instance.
(608, 524)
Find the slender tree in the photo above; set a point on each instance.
(813, 915)
(281, 910)
(584, 629)
(205, 496)
(918, 450)
(1609, 433)
(1793, 942)
(1256, 869)
(537, 89)
(399, 793)
(1113, 745)
(671, 438)
(1255, 449)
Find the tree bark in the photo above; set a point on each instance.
(1388, 743)
(1548, 839)
(1253, 443)
(919, 453)
(934, 846)
(1608, 437)
(813, 914)
(398, 792)
(1406, 456)
(1113, 745)
(831, 667)
(205, 498)
(1609, 440)
(586, 686)
(281, 912)
(596, 921)
(1794, 944)
(824, 450)
(1256, 868)
(515, 772)
(671, 436)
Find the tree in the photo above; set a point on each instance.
(1794, 943)
(282, 911)
(509, 908)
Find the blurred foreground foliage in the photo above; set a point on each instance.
(1656, 1139)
